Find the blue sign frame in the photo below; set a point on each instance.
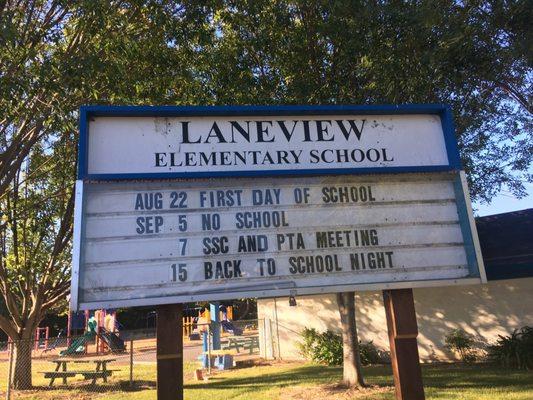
(443, 111)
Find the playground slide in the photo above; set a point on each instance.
(228, 326)
(112, 340)
(78, 345)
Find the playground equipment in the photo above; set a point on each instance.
(199, 316)
(76, 324)
(98, 327)
(79, 345)
(189, 323)
(41, 338)
(112, 341)
(226, 324)
(229, 327)
(55, 343)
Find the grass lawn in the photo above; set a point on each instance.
(291, 381)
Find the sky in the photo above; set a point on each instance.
(505, 202)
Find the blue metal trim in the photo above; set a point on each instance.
(449, 136)
(263, 173)
(175, 111)
(82, 144)
(89, 111)
(464, 222)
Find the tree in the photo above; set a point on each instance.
(35, 262)
(351, 367)
(55, 56)
(475, 56)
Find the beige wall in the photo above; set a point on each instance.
(484, 311)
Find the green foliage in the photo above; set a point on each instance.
(369, 354)
(461, 342)
(474, 56)
(322, 348)
(308, 336)
(515, 350)
(326, 348)
(58, 55)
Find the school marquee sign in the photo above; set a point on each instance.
(179, 204)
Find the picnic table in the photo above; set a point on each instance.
(246, 342)
(61, 370)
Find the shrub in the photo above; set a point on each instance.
(370, 354)
(514, 351)
(461, 342)
(309, 336)
(326, 348)
(323, 348)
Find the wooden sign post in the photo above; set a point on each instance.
(169, 332)
(403, 330)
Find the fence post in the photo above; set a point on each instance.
(131, 362)
(261, 329)
(273, 341)
(10, 371)
(269, 348)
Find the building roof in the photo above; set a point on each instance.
(507, 244)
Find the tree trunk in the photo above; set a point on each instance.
(22, 359)
(351, 374)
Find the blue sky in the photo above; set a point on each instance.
(505, 202)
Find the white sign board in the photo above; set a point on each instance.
(152, 241)
(198, 144)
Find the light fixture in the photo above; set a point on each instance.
(292, 301)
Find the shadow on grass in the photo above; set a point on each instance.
(475, 377)
(121, 386)
(306, 375)
(435, 377)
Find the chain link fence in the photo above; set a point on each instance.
(116, 365)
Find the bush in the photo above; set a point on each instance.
(461, 342)
(370, 354)
(323, 348)
(514, 351)
(309, 336)
(326, 348)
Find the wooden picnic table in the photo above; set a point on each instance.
(246, 342)
(61, 370)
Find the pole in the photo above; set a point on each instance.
(69, 325)
(214, 314)
(205, 346)
(403, 330)
(169, 329)
(208, 350)
(131, 362)
(10, 371)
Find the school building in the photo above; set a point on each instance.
(497, 308)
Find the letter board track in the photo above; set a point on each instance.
(209, 203)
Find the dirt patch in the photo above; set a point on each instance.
(333, 392)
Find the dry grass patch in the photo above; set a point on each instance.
(334, 392)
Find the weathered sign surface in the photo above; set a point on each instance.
(313, 220)
(198, 144)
